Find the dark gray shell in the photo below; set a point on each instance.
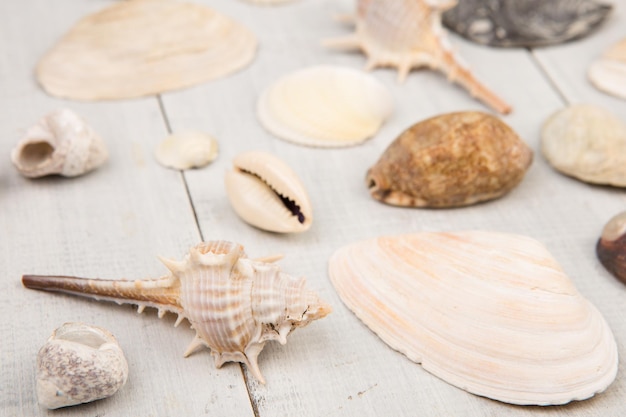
(525, 23)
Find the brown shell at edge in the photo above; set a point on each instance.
(451, 160)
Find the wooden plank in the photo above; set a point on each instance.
(110, 224)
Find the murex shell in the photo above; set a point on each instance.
(144, 47)
(265, 192)
(588, 143)
(60, 143)
(525, 23)
(451, 160)
(79, 363)
(325, 106)
(408, 34)
(608, 73)
(491, 313)
(235, 304)
(186, 150)
(611, 247)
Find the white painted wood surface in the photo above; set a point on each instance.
(113, 222)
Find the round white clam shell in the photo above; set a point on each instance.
(588, 143)
(491, 313)
(608, 73)
(325, 106)
(79, 363)
(187, 150)
(60, 143)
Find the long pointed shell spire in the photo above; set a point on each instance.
(234, 303)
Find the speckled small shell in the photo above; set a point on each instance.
(455, 159)
(611, 247)
(79, 363)
(60, 143)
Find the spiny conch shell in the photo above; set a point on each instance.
(267, 193)
(326, 106)
(408, 34)
(587, 143)
(452, 160)
(78, 364)
(525, 23)
(491, 313)
(144, 47)
(60, 143)
(608, 73)
(235, 304)
(186, 150)
(611, 247)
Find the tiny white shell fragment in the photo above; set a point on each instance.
(79, 363)
(325, 106)
(267, 193)
(608, 73)
(60, 143)
(187, 150)
(588, 143)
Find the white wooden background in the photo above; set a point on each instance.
(115, 221)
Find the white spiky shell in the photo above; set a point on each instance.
(586, 142)
(186, 150)
(491, 313)
(144, 47)
(60, 143)
(235, 304)
(325, 106)
(79, 363)
(408, 34)
(608, 73)
(266, 193)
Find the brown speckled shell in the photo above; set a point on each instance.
(611, 247)
(451, 160)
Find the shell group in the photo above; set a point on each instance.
(452, 160)
(491, 313)
(266, 193)
(407, 34)
(61, 143)
(586, 142)
(325, 106)
(144, 47)
(79, 363)
(608, 73)
(235, 304)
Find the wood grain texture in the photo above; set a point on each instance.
(114, 221)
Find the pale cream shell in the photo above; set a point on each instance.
(144, 47)
(266, 193)
(60, 143)
(608, 73)
(79, 363)
(325, 106)
(186, 150)
(588, 143)
(491, 313)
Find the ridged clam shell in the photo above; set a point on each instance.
(79, 363)
(326, 106)
(265, 192)
(608, 73)
(407, 34)
(186, 150)
(60, 143)
(611, 247)
(144, 47)
(587, 143)
(235, 304)
(451, 160)
(525, 23)
(491, 313)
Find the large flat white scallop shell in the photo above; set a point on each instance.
(491, 313)
(588, 143)
(325, 106)
(144, 47)
(608, 73)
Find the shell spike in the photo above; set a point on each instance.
(174, 266)
(195, 344)
(252, 354)
(270, 258)
(345, 43)
(179, 320)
